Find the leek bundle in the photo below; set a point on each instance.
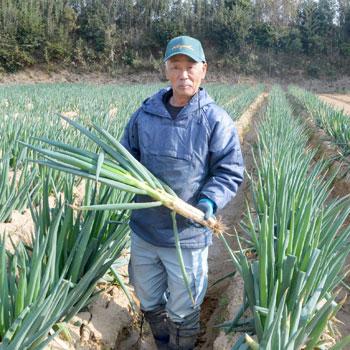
(114, 166)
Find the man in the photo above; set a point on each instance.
(191, 144)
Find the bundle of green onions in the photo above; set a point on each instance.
(114, 166)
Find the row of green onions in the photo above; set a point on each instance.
(334, 122)
(48, 281)
(299, 237)
(14, 193)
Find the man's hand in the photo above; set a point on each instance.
(206, 205)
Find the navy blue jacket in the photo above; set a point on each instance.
(197, 154)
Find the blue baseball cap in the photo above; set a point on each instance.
(185, 45)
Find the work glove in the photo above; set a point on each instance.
(207, 206)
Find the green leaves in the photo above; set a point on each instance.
(335, 123)
(297, 233)
(180, 258)
(25, 308)
(120, 170)
(86, 245)
(14, 192)
(243, 101)
(54, 278)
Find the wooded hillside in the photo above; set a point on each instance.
(247, 36)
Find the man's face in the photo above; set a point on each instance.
(185, 75)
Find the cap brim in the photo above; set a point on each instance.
(194, 57)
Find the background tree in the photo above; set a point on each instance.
(111, 33)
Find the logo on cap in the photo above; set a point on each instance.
(182, 47)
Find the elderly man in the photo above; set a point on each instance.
(190, 143)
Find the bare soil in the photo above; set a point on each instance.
(39, 74)
(19, 228)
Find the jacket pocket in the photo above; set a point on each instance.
(162, 137)
(174, 170)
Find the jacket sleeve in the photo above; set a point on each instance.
(130, 139)
(226, 168)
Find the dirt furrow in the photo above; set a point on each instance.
(337, 103)
(224, 299)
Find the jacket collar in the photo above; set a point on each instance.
(155, 105)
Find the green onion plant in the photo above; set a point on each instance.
(298, 235)
(334, 122)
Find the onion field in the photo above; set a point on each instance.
(61, 258)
